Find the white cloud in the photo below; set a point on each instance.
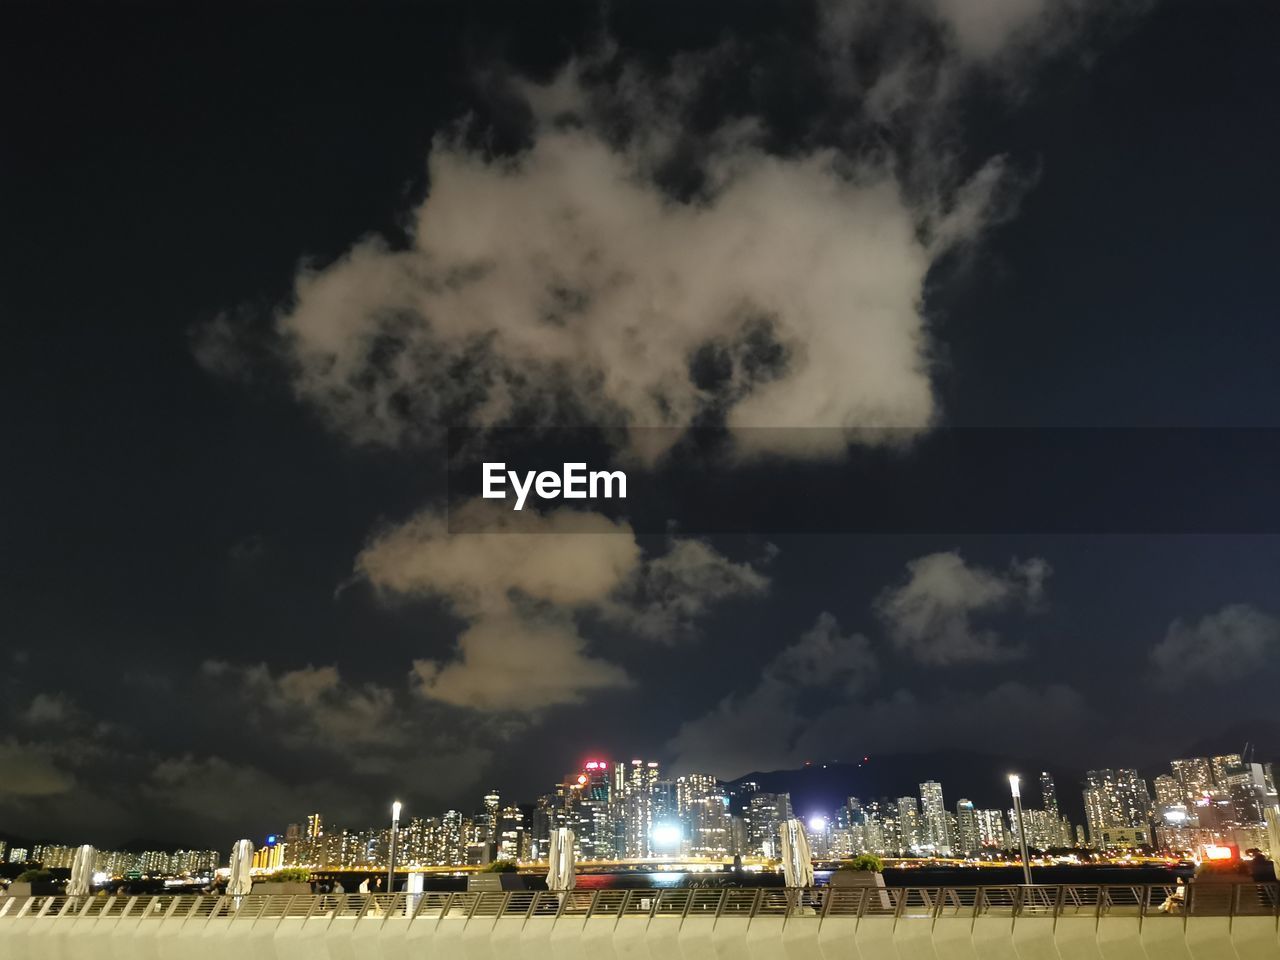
(565, 280)
(565, 557)
(1230, 644)
(509, 662)
(569, 282)
(667, 594)
(313, 706)
(984, 30)
(930, 615)
(522, 581)
(50, 709)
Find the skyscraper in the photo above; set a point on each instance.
(694, 787)
(934, 817)
(1116, 799)
(1223, 764)
(1195, 774)
(1169, 792)
(1049, 794)
(991, 829)
(968, 839)
(638, 796)
(910, 835)
(1245, 786)
(765, 814)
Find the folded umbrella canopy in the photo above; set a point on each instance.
(797, 862)
(241, 883)
(82, 871)
(560, 875)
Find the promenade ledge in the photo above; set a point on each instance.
(1217, 921)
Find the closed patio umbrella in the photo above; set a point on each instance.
(241, 882)
(81, 871)
(797, 862)
(560, 875)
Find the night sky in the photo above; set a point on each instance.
(257, 260)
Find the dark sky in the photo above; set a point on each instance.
(257, 258)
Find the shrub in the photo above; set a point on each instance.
(289, 875)
(864, 863)
(501, 866)
(34, 875)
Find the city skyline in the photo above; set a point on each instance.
(937, 351)
(629, 811)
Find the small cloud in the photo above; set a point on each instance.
(1228, 645)
(313, 706)
(248, 549)
(48, 709)
(667, 594)
(930, 615)
(513, 663)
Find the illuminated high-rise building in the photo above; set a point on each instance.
(934, 818)
(1049, 793)
(693, 788)
(968, 839)
(1116, 799)
(709, 827)
(453, 839)
(1195, 774)
(1169, 792)
(1221, 765)
(639, 800)
(1246, 789)
(765, 815)
(910, 834)
(991, 829)
(512, 840)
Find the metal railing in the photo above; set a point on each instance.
(899, 903)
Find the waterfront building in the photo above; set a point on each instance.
(1246, 788)
(453, 838)
(1169, 792)
(910, 832)
(1195, 774)
(693, 788)
(268, 857)
(1116, 799)
(640, 807)
(968, 838)
(709, 827)
(53, 856)
(1049, 793)
(1122, 838)
(765, 815)
(935, 836)
(513, 843)
(992, 832)
(1221, 764)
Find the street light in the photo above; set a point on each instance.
(1022, 831)
(391, 854)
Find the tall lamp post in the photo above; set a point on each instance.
(1022, 831)
(391, 853)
